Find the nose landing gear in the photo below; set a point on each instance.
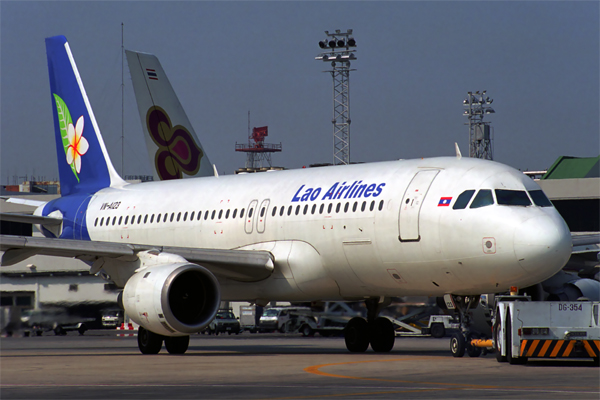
(461, 341)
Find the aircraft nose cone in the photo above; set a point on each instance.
(543, 245)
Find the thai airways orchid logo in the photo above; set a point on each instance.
(74, 143)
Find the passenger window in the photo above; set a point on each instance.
(463, 199)
(329, 208)
(305, 209)
(234, 213)
(192, 215)
(242, 213)
(145, 218)
(172, 217)
(157, 219)
(199, 215)
(314, 208)
(178, 216)
(274, 211)
(346, 207)
(483, 198)
(212, 215)
(185, 216)
(96, 222)
(512, 197)
(151, 218)
(297, 210)
(321, 208)
(206, 214)
(250, 212)
(262, 212)
(114, 220)
(289, 210)
(102, 221)
(372, 206)
(281, 210)
(227, 214)
(126, 219)
(355, 206)
(337, 208)
(220, 214)
(165, 217)
(139, 219)
(132, 220)
(381, 205)
(120, 219)
(364, 206)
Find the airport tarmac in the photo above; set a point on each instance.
(101, 365)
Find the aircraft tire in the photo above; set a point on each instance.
(382, 335)
(177, 344)
(472, 351)
(149, 342)
(499, 342)
(457, 345)
(356, 335)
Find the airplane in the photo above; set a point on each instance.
(448, 226)
(173, 147)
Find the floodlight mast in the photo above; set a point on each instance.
(340, 51)
(480, 133)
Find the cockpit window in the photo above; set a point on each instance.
(539, 198)
(463, 199)
(483, 198)
(512, 197)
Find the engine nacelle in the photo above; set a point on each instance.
(172, 300)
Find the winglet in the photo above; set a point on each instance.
(458, 155)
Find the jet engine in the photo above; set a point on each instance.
(172, 300)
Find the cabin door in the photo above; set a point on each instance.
(412, 201)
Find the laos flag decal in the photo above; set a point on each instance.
(444, 201)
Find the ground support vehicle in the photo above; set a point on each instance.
(545, 329)
(56, 320)
(439, 325)
(282, 319)
(224, 322)
(112, 318)
(249, 320)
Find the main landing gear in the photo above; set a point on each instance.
(376, 331)
(151, 343)
(460, 342)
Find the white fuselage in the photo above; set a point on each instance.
(395, 234)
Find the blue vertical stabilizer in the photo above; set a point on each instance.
(83, 162)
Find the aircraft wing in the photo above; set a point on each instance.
(242, 265)
(30, 219)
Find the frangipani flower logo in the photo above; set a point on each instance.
(74, 143)
(78, 145)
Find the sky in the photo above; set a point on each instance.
(416, 61)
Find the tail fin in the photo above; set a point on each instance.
(83, 162)
(173, 146)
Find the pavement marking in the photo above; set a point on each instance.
(316, 369)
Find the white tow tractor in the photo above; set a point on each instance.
(524, 329)
(546, 329)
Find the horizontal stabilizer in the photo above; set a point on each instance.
(30, 219)
(25, 202)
